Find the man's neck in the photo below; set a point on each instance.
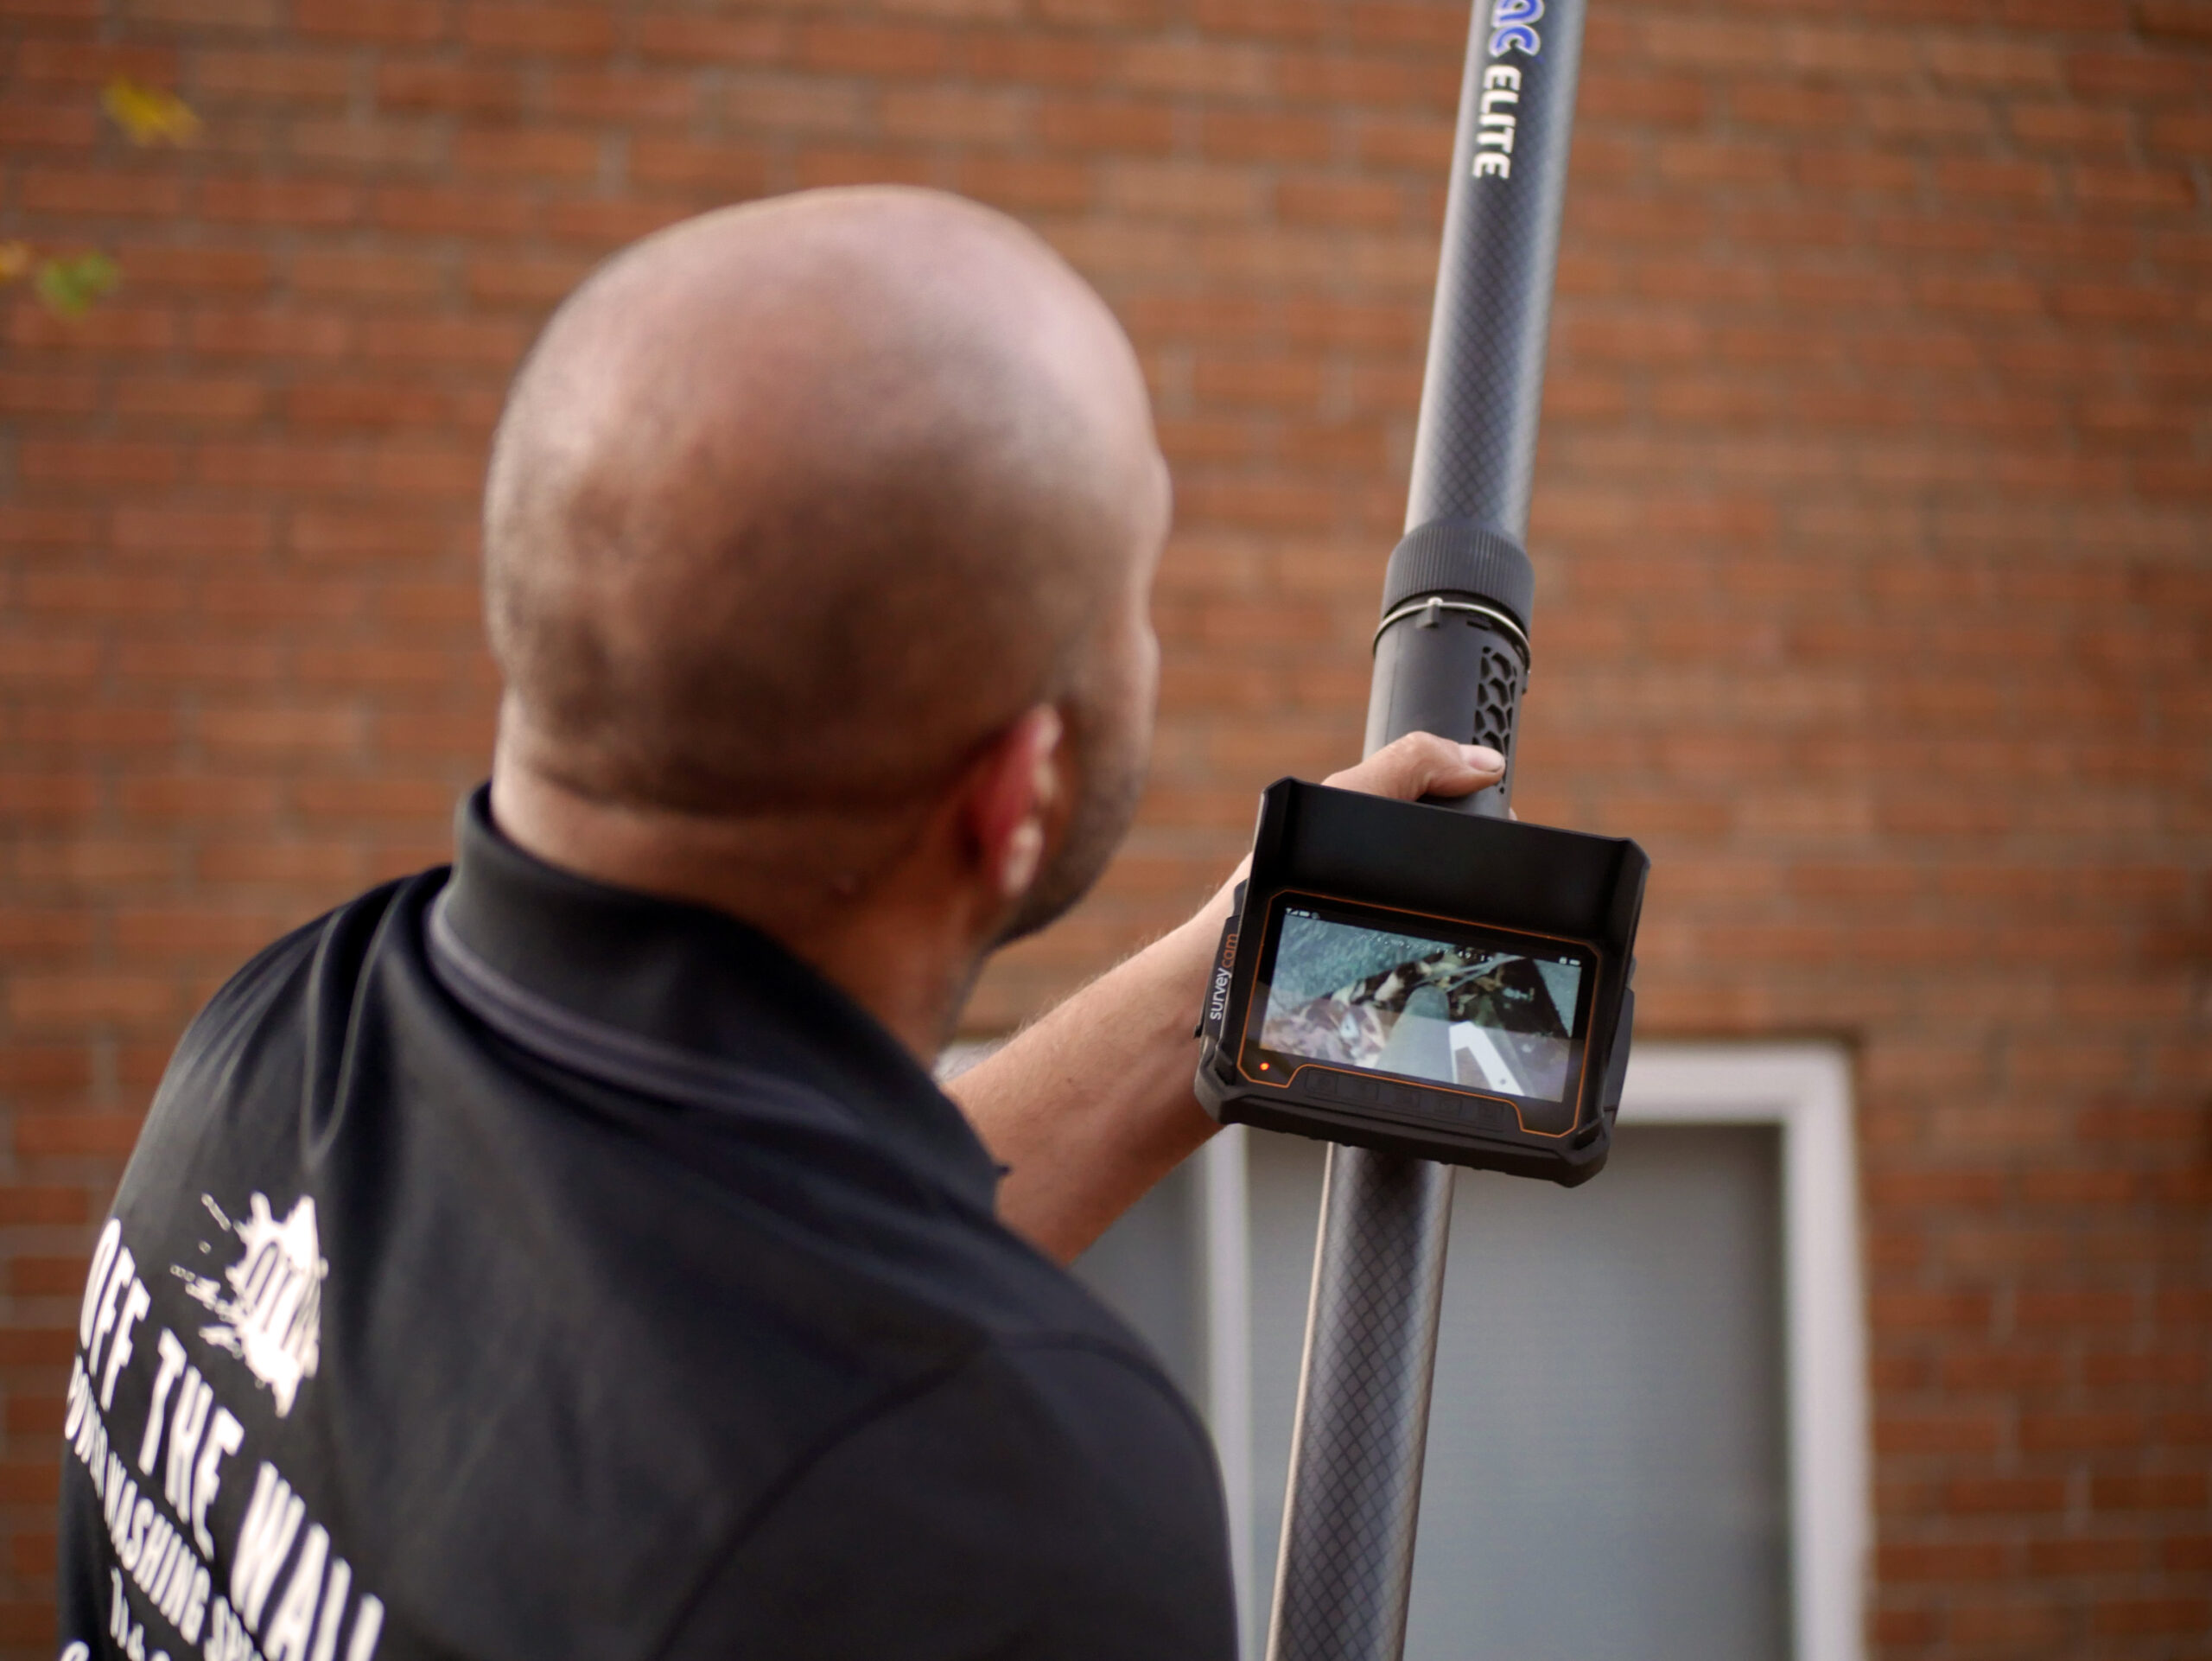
(817, 885)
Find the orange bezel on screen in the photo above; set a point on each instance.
(1587, 1004)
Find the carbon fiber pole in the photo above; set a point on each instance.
(1451, 657)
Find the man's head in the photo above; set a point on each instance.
(813, 524)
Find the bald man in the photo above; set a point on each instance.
(568, 1253)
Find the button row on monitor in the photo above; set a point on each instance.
(1393, 1097)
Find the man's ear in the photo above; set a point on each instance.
(1012, 791)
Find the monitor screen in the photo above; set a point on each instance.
(1483, 1009)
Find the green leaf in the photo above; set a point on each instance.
(69, 286)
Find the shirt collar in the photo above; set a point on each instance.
(701, 983)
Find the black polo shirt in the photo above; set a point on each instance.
(516, 1267)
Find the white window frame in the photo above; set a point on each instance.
(1803, 1090)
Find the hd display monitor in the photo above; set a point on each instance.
(1478, 1009)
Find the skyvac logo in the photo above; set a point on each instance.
(1513, 29)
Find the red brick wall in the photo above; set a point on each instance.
(1873, 527)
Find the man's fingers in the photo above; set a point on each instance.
(1421, 764)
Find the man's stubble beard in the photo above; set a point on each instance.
(1107, 803)
(1115, 754)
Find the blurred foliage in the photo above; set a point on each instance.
(70, 285)
(147, 115)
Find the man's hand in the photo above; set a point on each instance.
(1421, 764)
(1405, 770)
(1091, 1105)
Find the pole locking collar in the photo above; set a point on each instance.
(1431, 612)
(1458, 565)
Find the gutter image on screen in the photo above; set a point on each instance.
(1477, 1015)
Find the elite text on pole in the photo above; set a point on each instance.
(1451, 657)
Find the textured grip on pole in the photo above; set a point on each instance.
(1459, 556)
(1342, 1586)
(1462, 680)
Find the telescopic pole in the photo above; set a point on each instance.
(1451, 656)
